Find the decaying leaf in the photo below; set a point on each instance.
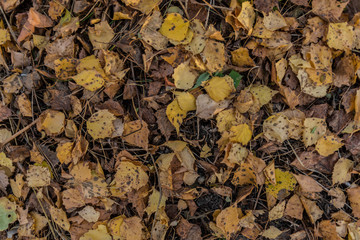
(101, 35)
(285, 182)
(7, 213)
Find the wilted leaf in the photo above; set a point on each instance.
(99, 233)
(38, 176)
(285, 182)
(294, 207)
(312, 210)
(101, 35)
(340, 36)
(277, 211)
(137, 133)
(341, 172)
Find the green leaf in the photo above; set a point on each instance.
(236, 77)
(203, 77)
(66, 18)
(218, 74)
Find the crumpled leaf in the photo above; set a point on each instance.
(174, 27)
(101, 124)
(39, 20)
(101, 35)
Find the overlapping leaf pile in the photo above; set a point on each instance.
(150, 119)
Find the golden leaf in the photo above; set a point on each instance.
(327, 145)
(100, 124)
(91, 80)
(174, 27)
(219, 88)
(101, 35)
(241, 134)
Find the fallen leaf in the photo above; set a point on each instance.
(272, 232)
(39, 20)
(137, 133)
(312, 210)
(38, 176)
(307, 183)
(100, 124)
(277, 212)
(101, 35)
(219, 88)
(214, 54)
(184, 77)
(91, 80)
(340, 36)
(241, 58)
(341, 172)
(241, 134)
(354, 199)
(99, 233)
(327, 145)
(274, 21)
(174, 27)
(7, 213)
(294, 208)
(89, 214)
(285, 182)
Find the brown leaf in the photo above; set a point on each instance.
(354, 199)
(294, 208)
(5, 113)
(39, 20)
(329, 9)
(187, 230)
(312, 160)
(137, 133)
(165, 126)
(266, 5)
(307, 183)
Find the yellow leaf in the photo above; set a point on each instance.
(272, 232)
(176, 111)
(277, 211)
(276, 128)
(65, 67)
(129, 176)
(260, 30)
(186, 101)
(52, 122)
(100, 124)
(214, 54)
(24, 105)
(89, 63)
(314, 129)
(310, 87)
(341, 172)
(145, 6)
(320, 56)
(327, 145)
(285, 182)
(198, 41)
(340, 36)
(281, 67)
(184, 77)
(175, 114)
(241, 134)
(247, 15)
(101, 35)
(228, 220)
(244, 175)
(263, 94)
(219, 88)
(269, 172)
(100, 233)
(63, 152)
(4, 36)
(154, 204)
(319, 77)
(40, 41)
(174, 27)
(274, 21)
(4, 135)
(114, 226)
(89, 79)
(241, 58)
(236, 155)
(6, 162)
(225, 119)
(38, 176)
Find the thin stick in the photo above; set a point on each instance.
(19, 132)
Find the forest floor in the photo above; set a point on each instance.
(181, 119)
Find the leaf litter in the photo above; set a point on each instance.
(150, 119)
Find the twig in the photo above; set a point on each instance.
(19, 133)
